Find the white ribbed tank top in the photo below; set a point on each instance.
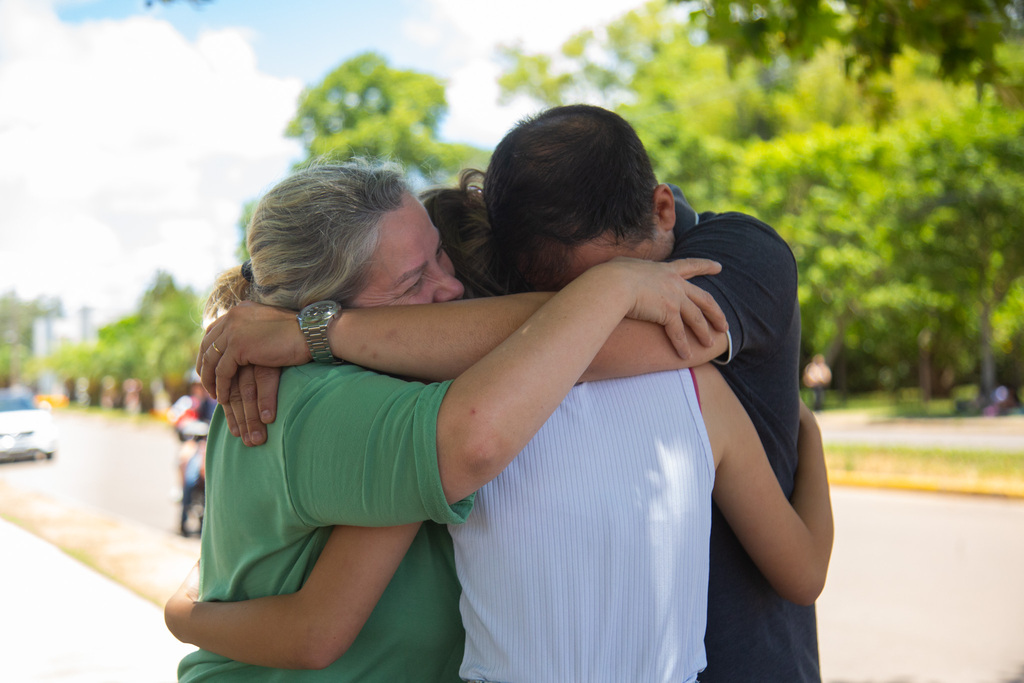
(587, 558)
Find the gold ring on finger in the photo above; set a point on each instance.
(214, 345)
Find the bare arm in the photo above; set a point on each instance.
(304, 630)
(789, 540)
(497, 405)
(433, 343)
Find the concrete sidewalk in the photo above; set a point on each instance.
(65, 621)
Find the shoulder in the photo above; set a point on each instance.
(317, 388)
(753, 255)
(732, 231)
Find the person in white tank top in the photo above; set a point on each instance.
(587, 558)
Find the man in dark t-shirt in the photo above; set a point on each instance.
(574, 186)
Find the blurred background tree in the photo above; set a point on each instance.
(157, 345)
(892, 175)
(882, 140)
(366, 108)
(963, 35)
(17, 325)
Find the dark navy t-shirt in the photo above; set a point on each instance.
(752, 633)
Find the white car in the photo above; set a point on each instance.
(26, 430)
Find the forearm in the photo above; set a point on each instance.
(262, 631)
(637, 348)
(788, 540)
(433, 342)
(440, 341)
(305, 630)
(811, 499)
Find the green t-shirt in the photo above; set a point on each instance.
(349, 446)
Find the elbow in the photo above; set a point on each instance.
(319, 651)
(473, 458)
(806, 589)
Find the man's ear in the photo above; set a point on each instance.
(664, 209)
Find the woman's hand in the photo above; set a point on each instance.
(239, 361)
(248, 334)
(662, 295)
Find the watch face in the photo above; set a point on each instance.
(318, 312)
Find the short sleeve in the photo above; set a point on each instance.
(757, 287)
(361, 448)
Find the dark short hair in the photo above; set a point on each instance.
(565, 177)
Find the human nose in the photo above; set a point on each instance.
(448, 289)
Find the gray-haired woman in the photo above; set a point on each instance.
(351, 447)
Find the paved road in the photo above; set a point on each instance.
(924, 588)
(997, 434)
(124, 469)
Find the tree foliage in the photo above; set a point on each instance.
(895, 192)
(963, 35)
(17, 323)
(159, 341)
(367, 108)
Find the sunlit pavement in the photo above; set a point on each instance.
(64, 622)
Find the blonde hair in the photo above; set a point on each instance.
(313, 236)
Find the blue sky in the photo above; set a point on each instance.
(131, 136)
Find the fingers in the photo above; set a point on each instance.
(702, 311)
(255, 432)
(236, 403)
(692, 267)
(229, 417)
(233, 396)
(209, 356)
(221, 373)
(710, 308)
(693, 316)
(267, 381)
(209, 361)
(676, 331)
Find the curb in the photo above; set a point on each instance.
(993, 489)
(148, 562)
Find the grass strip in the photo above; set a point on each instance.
(932, 469)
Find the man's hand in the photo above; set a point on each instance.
(238, 364)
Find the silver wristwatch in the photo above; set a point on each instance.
(313, 321)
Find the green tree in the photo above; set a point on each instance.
(367, 108)
(157, 342)
(963, 197)
(963, 35)
(17, 320)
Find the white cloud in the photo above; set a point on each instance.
(124, 149)
(470, 31)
